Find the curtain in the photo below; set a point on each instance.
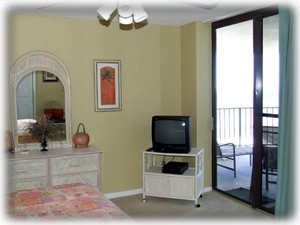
(285, 180)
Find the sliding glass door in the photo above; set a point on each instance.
(245, 107)
(234, 111)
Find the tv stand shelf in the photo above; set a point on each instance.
(187, 186)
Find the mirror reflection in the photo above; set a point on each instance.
(39, 93)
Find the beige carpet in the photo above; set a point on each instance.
(214, 206)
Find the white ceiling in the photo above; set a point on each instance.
(163, 12)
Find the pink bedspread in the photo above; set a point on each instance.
(64, 201)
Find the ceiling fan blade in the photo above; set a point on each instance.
(49, 4)
(106, 10)
(203, 4)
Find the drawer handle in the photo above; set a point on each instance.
(21, 171)
(75, 165)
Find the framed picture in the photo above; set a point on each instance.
(49, 77)
(107, 85)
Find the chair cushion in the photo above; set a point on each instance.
(54, 113)
(48, 113)
(57, 113)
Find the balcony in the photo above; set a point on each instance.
(235, 125)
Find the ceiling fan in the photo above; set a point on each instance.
(204, 4)
(128, 11)
(131, 11)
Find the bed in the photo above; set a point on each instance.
(23, 124)
(23, 134)
(66, 201)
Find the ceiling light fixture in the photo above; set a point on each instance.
(128, 11)
(107, 9)
(139, 14)
(125, 14)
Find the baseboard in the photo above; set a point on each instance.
(136, 192)
(124, 193)
(207, 189)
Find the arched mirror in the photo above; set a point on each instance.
(40, 85)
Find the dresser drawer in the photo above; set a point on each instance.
(91, 178)
(74, 164)
(27, 184)
(24, 169)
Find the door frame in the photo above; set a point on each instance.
(30, 89)
(256, 177)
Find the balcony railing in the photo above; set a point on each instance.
(236, 125)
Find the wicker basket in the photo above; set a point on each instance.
(81, 139)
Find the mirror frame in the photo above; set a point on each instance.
(43, 61)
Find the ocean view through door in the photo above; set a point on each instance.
(245, 107)
(234, 99)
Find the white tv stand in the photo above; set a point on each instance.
(187, 186)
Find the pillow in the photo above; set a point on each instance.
(57, 113)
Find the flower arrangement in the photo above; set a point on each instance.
(42, 130)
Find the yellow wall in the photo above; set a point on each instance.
(150, 70)
(188, 75)
(48, 92)
(155, 80)
(203, 93)
(196, 86)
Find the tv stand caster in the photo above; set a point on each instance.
(198, 205)
(144, 200)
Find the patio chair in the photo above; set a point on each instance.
(227, 151)
(230, 151)
(269, 163)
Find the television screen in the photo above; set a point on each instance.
(171, 134)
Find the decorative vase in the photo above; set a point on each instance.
(44, 145)
(81, 139)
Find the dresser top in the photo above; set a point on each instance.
(53, 153)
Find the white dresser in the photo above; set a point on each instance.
(56, 166)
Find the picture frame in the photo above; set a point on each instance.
(49, 77)
(107, 85)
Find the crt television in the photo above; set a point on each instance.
(171, 134)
